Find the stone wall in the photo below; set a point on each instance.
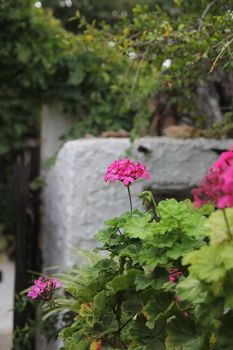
(76, 201)
(54, 124)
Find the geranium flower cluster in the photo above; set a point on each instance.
(126, 171)
(217, 186)
(174, 275)
(44, 288)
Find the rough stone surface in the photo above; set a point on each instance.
(54, 124)
(77, 201)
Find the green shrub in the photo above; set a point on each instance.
(106, 76)
(85, 75)
(125, 299)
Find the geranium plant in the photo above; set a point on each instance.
(166, 282)
(44, 288)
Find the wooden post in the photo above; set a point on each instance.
(26, 223)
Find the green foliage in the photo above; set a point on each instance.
(208, 287)
(27, 61)
(222, 128)
(183, 338)
(217, 229)
(125, 299)
(86, 75)
(166, 282)
(24, 336)
(194, 45)
(37, 183)
(105, 76)
(93, 10)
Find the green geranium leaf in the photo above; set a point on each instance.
(119, 222)
(72, 344)
(144, 281)
(140, 227)
(171, 208)
(190, 289)
(205, 264)
(210, 263)
(150, 280)
(133, 305)
(109, 237)
(182, 335)
(99, 305)
(150, 257)
(86, 312)
(177, 251)
(141, 334)
(210, 311)
(180, 249)
(224, 339)
(228, 288)
(132, 251)
(122, 282)
(164, 241)
(109, 322)
(157, 310)
(226, 254)
(206, 209)
(180, 217)
(104, 265)
(216, 225)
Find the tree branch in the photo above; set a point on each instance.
(205, 13)
(224, 48)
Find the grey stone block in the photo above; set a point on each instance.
(76, 201)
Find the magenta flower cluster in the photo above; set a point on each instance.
(217, 186)
(174, 275)
(44, 288)
(126, 171)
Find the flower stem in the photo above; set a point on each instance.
(118, 310)
(130, 199)
(227, 224)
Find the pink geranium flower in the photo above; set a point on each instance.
(217, 186)
(224, 161)
(174, 275)
(126, 171)
(208, 189)
(44, 288)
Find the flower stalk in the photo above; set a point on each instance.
(130, 199)
(229, 233)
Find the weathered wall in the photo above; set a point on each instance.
(76, 201)
(54, 124)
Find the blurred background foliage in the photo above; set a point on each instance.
(109, 71)
(137, 65)
(93, 10)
